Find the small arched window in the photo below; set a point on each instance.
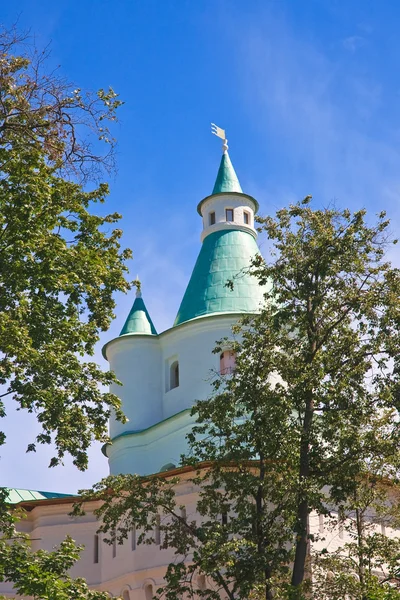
(174, 375)
(201, 582)
(212, 218)
(148, 592)
(227, 362)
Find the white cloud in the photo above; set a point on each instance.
(353, 43)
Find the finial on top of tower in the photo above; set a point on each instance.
(221, 134)
(138, 285)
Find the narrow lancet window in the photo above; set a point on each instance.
(246, 218)
(212, 218)
(96, 549)
(133, 538)
(174, 375)
(157, 533)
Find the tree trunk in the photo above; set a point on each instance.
(360, 543)
(303, 524)
(302, 544)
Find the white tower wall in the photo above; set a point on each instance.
(156, 432)
(240, 204)
(192, 344)
(136, 361)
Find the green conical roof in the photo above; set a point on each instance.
(138, 320)
(223, 255)
(227, 180)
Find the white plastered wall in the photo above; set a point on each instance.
(142, 364)
(240, 203)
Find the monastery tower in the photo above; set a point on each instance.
(164, 374)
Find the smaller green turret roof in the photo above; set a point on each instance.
(227, 180)
(138, 320)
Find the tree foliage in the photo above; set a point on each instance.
(60, 264)
(60, 260)
(311, 405)
(366, 565)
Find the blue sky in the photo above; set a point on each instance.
(308, 93)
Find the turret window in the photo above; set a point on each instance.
(174, 375)
(212, 218)
(227, 362)
(246, 217)
(229, 214)
(96, 549)
(148, 591)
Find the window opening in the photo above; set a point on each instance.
(133, 538)
(183, 513)
(229, 214)
(125, 595)
(201, 582)
(174, 375)
(96, 549)
(224, 518)
(157, 533)
(212, 218)
(246, 218)
(148, 592)
(114, 547)
(227, 362)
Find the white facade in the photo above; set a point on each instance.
(158, 415)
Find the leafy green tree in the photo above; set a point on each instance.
(44, 575)
(366, 566)
(60, 264)
(313, 399)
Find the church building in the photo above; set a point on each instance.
(163, 374)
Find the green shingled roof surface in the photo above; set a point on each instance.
(16, 495)
(227, 180)
(138, 320)
(223, 255)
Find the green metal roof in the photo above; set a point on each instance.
(227, 180)
(138, 320)
(16, 495)
(223, 255)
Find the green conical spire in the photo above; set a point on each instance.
(227, 180)
(138, 320)
(223, 256)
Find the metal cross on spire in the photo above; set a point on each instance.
(221, 134)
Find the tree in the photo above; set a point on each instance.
(313, 401)
(60, 262)
(366, 566)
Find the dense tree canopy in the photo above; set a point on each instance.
(60, 261)
(60, 264)
(296, 429)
